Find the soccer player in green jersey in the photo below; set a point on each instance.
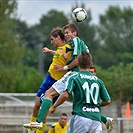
(108, 121)
(88, 91)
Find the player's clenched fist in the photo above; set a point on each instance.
(45, 50)
(52, 110)
(65, 56)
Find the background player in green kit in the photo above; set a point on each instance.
(78, 46)
(88, 91)
(108, 121)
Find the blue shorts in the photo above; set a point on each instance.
(46, 84)
(54, 99)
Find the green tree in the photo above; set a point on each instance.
(120, 85)
(10, 50)
(28, 39)
(14, 76)
(115, 32)
(119, 81)
(8, 41)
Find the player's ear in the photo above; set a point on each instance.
(74, 33)
(58, 37)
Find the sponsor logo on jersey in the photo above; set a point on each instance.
(56, 56)
(89, 109)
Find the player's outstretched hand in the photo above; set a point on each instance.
(45, 50)
(52, 110)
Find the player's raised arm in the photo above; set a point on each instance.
(46, 50)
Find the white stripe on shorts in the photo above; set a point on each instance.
(60, 85)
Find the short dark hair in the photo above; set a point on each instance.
(57, 32)
(93, 67)
(64, 114)
(85, 60)
(72, 27)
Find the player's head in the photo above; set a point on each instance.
(85, 60)
(63, 119)
(70, 32)
(93, 70)
(56, 35)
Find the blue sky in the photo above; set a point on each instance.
(32, 10)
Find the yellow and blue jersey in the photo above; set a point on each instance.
(59, 60)
(56, 128)
(52, 75)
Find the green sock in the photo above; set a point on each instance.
(103, 118)
(44, 109)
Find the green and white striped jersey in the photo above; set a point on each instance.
(78, 46)
(88, 90)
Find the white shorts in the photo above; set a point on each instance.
(60, 85)
(79, 124)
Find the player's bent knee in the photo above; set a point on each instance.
(51, 93)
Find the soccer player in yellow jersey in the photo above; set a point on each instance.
(59, 57)
(61, 126)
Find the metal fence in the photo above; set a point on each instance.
(14, 123)
(15, 109)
